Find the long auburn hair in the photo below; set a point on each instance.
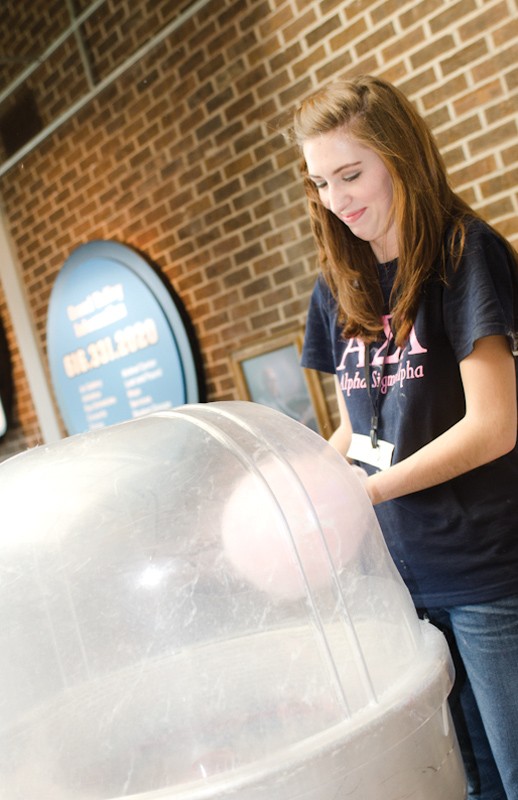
(425, 208)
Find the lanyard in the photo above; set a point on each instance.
(373, 397)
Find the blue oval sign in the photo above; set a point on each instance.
(117, 344)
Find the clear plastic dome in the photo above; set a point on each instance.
(198, 604)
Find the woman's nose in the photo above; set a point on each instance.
(338, 198)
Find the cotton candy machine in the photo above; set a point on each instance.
(199, 604)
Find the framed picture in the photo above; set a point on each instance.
(270, 373)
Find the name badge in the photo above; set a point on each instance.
(361, 449)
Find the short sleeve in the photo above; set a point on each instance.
(479, 297)
(317, 352)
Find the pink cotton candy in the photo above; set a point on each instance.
(288, 524)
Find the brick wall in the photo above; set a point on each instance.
(183, 156)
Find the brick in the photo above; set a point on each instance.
(248, 253)
(283, 295)
(509, 229)
(238, 277)
(307, 63)
(278, 181)
(501, 110)
(216, 321)
(262, 321)
(506, 33)
(459, 132)
(239, 107)
(493, 138)
(226, 191)
(285, 57)
(240, 310)
(184, 155)
(470, 196)
(268, 264)
(251, 78)
(208, 68)
(357, 7)
(432, 51)
(237, 221)
(260, 12)
(417, 82)
(247, 198)
(483, 21)
(217, 157)
(450, 17)
(297, 307)
(264, 51)
(218, 100)
(504, 182)
(499, 208)
(362, 66)
(275, 84)
(200, 95)
(472, 172)
(323, 30)
(418, 12)
(444, 92)
(295, 92)
(496, 64)
(333, 67)
(242, 45)
(221, 42)
(408, 42)
(303, 21)
(192, 121)
(248, 139)
(189, 66)
(256, 232)
(269, 147)
(375, 40)
(286, 157)
(511, 79)
(229, 132)
(302, 247)
(509, 154)
(326, 6)
(209, 128)
(203, 33)
(463, 58)
(481, 96)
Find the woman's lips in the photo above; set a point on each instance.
(353, 217)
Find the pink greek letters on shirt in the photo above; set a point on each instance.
(380, 355)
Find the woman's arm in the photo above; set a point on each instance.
(486, 432)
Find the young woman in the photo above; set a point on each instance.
(415, 313)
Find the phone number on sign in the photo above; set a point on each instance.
(125, 341)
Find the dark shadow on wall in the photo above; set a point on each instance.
(187, 322)
(6, 383)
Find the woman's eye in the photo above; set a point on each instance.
(320, 184)
(349, 178)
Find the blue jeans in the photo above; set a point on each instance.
(483, 640)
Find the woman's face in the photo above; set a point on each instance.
(355, 185)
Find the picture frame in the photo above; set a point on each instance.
(270, 373)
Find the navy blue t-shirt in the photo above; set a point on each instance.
(455, 543)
